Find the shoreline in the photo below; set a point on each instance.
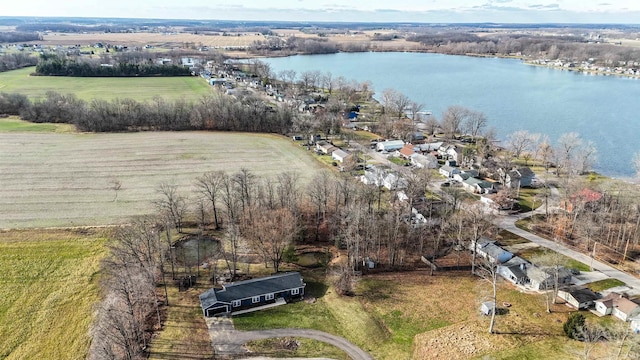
(523, 59)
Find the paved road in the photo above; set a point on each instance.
(508, 223)
(228, 341)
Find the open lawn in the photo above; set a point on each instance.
(14, 124)
(87, 88)
(416, 316)
(47, 292)
(49, 179)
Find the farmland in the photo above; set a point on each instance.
(52, 179)
(47, 293)
(144, 88)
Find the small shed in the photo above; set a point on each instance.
(487, 308)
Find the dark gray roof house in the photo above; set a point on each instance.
(514, 270)
(251, 295)
(579, 298)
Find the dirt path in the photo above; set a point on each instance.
(228, 341)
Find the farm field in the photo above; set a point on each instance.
(51, 179)
(48, 288)
(141, 89)
(165, 40)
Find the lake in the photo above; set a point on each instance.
(513, 95)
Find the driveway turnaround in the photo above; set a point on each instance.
(228, 341)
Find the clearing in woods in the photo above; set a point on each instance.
(107, 88)
(50, 179)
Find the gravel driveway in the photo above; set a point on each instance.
(228, 341)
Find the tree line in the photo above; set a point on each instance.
(210, 112)
(19, 36)
(54, 65)
(16, 61)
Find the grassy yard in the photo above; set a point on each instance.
(414, 315)
(144, 88)
(14, 124)
(184, 334)
(605, 284)
(53, 179)
(49, 287)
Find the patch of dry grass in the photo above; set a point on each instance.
(184, 334)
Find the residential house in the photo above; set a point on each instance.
(251, 295)
(451, 152)
(424, 161)
(515, 178)
(373, 176)
(407, 151)
(465, 174)
(394, 182)
(429, 147)
(478, 186)
(514, 270)
(390, 145)
(544, 278)
(578, 298)
(448, 171)
(325, 147)
(617, 305)
(488, 249)
(340, 155)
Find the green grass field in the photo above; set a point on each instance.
(14, 124)
(51, 179)
(48, 288)
(143, 88)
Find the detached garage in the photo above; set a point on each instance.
(251, 295)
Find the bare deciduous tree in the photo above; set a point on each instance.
(210, 186)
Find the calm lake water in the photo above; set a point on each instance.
(514, 96)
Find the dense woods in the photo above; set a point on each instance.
(211, 112)
(19, 36)
(16, 61)
(53, 65)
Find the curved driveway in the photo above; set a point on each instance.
(228, 341)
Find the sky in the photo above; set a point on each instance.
(428, 11)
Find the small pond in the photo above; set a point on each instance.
(313, 259)
(195, 250)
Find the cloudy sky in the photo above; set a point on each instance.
(510, 11)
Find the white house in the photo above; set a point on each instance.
(394, 182)
(390, 145)
(424, 161)
(578, 298)
(514, 270)
(340, 155)
(543, 278)
(448, 171)
(618, 306)
(488, 249)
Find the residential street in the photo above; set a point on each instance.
(507, 222)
